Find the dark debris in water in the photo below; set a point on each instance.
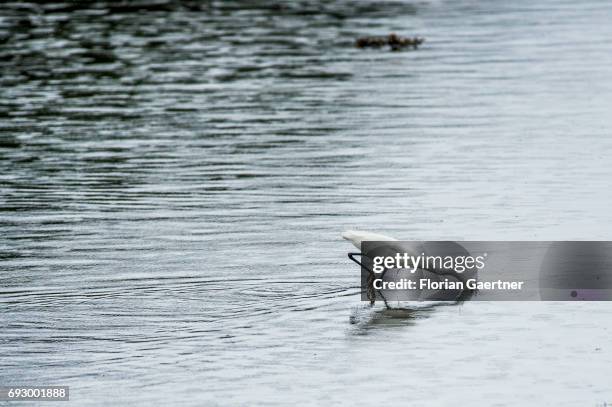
(394, 41)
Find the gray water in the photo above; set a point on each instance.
(174, 180)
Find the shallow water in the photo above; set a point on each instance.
(174, 180)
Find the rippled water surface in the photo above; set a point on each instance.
(174, 179)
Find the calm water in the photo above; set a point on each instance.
(174, 182)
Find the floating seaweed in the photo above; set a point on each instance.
(392, 40)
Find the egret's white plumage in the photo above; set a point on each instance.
(356, 237)
(389, 246)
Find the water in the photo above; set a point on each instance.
(174, 180)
